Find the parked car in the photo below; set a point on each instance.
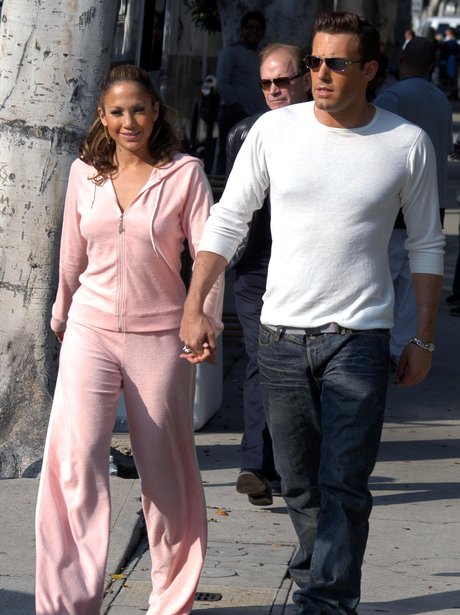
(440, 23)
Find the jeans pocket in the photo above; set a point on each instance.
(266, 336)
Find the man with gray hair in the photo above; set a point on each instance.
(284, 81)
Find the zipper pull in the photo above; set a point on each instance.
(120, 225)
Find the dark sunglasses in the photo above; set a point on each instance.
(338, 65)
(280, 82)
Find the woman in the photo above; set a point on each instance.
(132, 199)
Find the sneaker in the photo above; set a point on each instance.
(255, 486)
(455, 311)
(453, 299)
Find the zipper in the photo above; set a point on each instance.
(121, 246)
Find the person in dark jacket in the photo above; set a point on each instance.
(284, 81)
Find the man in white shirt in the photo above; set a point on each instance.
(338, 170)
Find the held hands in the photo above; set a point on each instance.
(198, 337)
(196, 331)
(414, 365)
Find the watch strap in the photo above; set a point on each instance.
(425, 345)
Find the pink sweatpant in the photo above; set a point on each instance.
(73, 510)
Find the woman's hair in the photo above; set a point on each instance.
(98, 149)
(349, 23)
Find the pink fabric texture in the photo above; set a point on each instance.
(120, 300)
(73, 512)
(122, 272)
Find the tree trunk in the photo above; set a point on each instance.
(382, 13)
(288, 21)
(433, 8)
(54, 53)
(352, 6)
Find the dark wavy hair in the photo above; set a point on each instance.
(340, 22)
(98, 151)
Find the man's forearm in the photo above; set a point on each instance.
(427, 288)
(206, 270)
(196, 331)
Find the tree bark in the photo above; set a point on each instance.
(288, 21)
(54, 53)
(291, 21)
(382, 13)
(352, 6)
(433, 8)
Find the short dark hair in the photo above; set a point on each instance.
(297, 54)
(340, 22)
(419, 54)
(254, 16)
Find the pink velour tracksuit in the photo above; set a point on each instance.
(120, 300)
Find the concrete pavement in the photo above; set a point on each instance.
(412, 563)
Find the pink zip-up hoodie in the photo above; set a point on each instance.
(120, 271)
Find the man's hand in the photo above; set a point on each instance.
(195, 330)
(414, 365)
(198, 337)
(415, 362)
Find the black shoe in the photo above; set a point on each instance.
(453, 299)
(276, 487)
(262, 499)
(455, 311)
(255, 486)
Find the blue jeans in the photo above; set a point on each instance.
(324, 396)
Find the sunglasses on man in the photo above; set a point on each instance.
(279, 82)
(338, 65)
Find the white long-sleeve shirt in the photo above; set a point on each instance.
(334, 194)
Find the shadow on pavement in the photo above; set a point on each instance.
(409, 493)
(419, 450)
(428, 603)
(218, 456)
(237, 610)
(16, 603)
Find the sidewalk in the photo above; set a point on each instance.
(412, 563)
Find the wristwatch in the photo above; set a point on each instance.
(425, 345)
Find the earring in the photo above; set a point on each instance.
(108, 138)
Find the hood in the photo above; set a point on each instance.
(170, 168)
